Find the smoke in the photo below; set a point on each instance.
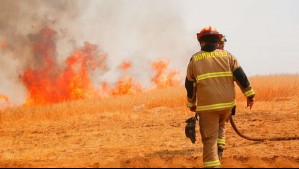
(139, 31)
(19, 20)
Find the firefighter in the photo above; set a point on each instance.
(210, 92)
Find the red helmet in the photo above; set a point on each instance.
(209, 31)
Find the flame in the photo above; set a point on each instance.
(126, 65)
(105, 89)
(163, 77)
(5, 102)
(50, 83)
(3, 45)
(5, 98)
(126, 85)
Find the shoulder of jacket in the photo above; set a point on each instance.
(195, 54)
(221, 50)
(228, 53)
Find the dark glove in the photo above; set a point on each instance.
(250, 102)
(193, 108)
(190, 129)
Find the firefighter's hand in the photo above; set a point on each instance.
(250, 102)
(193, 108)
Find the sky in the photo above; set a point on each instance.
(262, 34)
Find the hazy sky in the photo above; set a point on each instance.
(262, 34)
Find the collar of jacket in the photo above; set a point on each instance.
(209, 47)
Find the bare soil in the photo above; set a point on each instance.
(149, 138)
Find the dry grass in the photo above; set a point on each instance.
(282, 87)
(147, 130)
(170, 97)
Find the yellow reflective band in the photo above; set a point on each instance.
(190, 104)
(221, 141)
(249, 93)
(215, 106)
(212, 163)
(213, 75)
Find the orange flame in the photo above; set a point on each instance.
(3, 45)
(6, 101)
(126, 85)
(163, 77)
(5, 98)
(126, 65)
(50, 83)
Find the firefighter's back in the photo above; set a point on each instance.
(215, 84)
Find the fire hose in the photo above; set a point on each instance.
(191, 122)
(259, 139)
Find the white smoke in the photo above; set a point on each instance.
(140, 31)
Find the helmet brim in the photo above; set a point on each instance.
(200, 35)
(214, 38)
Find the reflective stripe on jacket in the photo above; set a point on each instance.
(213, 73)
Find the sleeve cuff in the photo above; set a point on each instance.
(249, 93)
(190, 104)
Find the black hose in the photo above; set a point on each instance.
(260, 139)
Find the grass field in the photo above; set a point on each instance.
(147, 130)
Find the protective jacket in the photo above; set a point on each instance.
(210, 80)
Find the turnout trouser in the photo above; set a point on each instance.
(212, 130)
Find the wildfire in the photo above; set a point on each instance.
(126, 65)
(50, 83)
(3, 45)
(126, 84)
(5, 102)
(164, 77)
(5, 98)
